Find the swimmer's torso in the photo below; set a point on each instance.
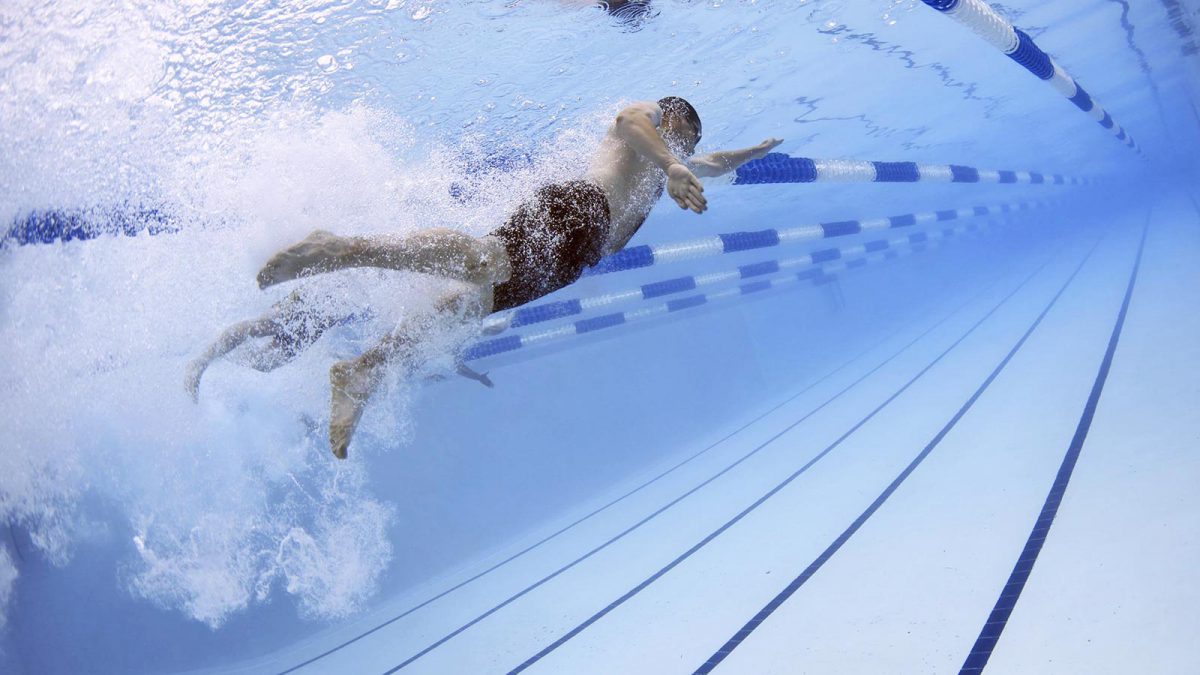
(632, 184)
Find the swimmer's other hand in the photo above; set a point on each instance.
(481, 378)
(685, 188)
(759, 151)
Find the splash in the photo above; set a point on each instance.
(318, 538)
(218, 506)
(228, 501)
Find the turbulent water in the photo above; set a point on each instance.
(225, 119)
(251, 123)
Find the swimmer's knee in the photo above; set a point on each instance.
(477, 260)
(495, 260)
(486, 261)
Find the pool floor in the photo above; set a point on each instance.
(901, 579)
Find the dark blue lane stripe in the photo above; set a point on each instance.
(998, 619)
(837, 544)
(713, 535)
(599, 322)
(826, 376)
(639, 488)
(686, 303)
(667, 287)
(493, 610)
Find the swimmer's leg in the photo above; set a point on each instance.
(440, 251)
(228, 341)
(352, 382)
(283, 348)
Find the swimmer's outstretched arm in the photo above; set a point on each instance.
(720, 163)
(228, 341)
(637, 125)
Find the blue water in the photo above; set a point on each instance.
(148, 534)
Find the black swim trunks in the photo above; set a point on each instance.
(551, 239)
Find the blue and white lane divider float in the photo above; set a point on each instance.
(49, 226)
(777, 167)
(494, 346)
(558, 309)
(1018, 46)
(648, 255)
(818, 275)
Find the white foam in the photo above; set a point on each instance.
(235, 499)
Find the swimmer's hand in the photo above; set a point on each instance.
(481, 378)
(759, 151)
(685, 188)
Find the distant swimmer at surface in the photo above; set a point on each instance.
(617, 8)
(545, 244)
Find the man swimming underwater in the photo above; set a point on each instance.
(545, 245)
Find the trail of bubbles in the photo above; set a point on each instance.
(224, 504)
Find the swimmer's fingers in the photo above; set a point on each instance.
(679, 195)
(689, 195)
(765, 147)
(696, 195)
(693, 197)
(687, 202)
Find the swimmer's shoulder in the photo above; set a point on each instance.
(650, 109)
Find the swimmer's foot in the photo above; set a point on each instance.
(191, 381)
(315, 253)
(351, 385)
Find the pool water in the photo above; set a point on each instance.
(853, 472)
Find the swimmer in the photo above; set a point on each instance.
(621, 9)
(545, 244)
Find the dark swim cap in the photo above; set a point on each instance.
(677, 106)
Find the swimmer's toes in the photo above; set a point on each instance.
(266, 276)
(306, 256)
(283, 266)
